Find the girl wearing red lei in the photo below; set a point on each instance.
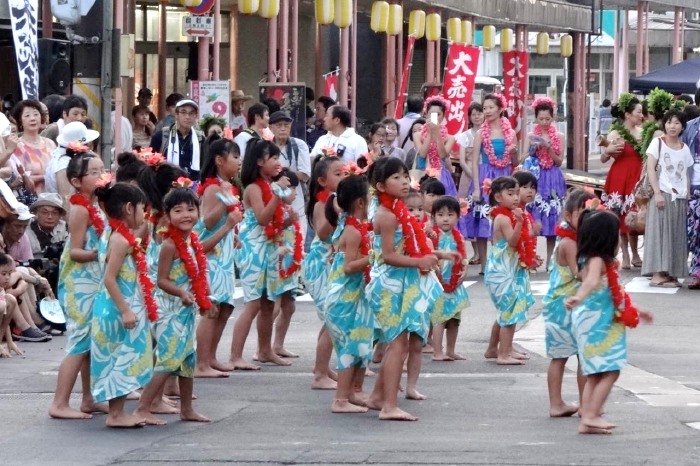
(221, 212)
(559, 334)
(121, 359)
(349, 319)
(506, 275)
(600, 312)
(183, 289)
(402, 288)
(79, 279)
(258, 255)
(447, 312)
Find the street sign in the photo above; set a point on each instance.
(197, 26)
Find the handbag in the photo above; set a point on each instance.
(636, 220)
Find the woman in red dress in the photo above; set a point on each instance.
(626, 169)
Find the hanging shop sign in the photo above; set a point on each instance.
(23, 15)
(458, 84)
(515, 68)
(197, 26)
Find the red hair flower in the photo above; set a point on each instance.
(351, 168)
(77, 147)
(104, 180)
(486, 187)
(154, 159)
(182, 182)
(463, 206)
(594, 204)
(328, 151)
(267, 135)
(228, 134)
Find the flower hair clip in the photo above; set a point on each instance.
(433, 172)
(328, 151)
(104, 180)
(228, 134)
(463, 206)
(503, 100)
(351, 168)
(415, 185)
(267, 135)
(77, 147)
(182, 182)
(143, 153)
(486, 187)
(154, 159)
(436, 98)
(544, 101)
(594, 204)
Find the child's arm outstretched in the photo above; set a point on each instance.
(386, 224)
(118, 248)
(165, 262)
(354, 261)
(591, 279)
(79, 220)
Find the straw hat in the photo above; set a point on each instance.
(239, 95)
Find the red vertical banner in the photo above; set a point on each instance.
(407, 63)
(330, 81)
(515, 86)
(458, 84)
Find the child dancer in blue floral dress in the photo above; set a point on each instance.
(601, 310)
(121, 358)
(79, 281)
(559, 335)
(349, 320)
(326, 173)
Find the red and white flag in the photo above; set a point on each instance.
(330, 87)
(407, 63)
(458, 84)
(515, 86)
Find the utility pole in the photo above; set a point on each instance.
(107, 76)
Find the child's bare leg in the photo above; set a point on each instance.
(392, 366)
(344, 392)
(10, 310)
(438, 354)
(624, 247)
(240, 335)
(492, 349)
(287, 306)
(505, 347)
(481, 249)
(206, 348)
(581, 382)
(172, 387)
(117, 418)
(375, 400)
(264, 324)
(555, 377)
(222, 317)
(594, 400)
(88, 404)
(187, 412)
(452, 330)
(415, 361)
(67, 375)
(378, 354)
(358, 396)
(161, 405)
(551, 240)
(152, 393)
(324, 350)
(430, 345)
(634, 246)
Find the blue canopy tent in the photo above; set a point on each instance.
(681, 78)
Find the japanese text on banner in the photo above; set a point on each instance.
(515, 69)
(458, 84)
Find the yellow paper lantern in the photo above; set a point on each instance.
(269, 8)
(325, 11)
(191, 3)
(566, 45)
(416, 24)
(467, 32)
(507, 38)
(454, 30)
(379, 19)
(248, 7)
(343, 13)
(433, 26)
(542, 47)
(489, 37)
(395, 25)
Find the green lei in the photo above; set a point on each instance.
(648, 130)
(627, 136)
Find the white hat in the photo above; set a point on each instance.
(75, 131)
(190, 102)
(22, 212)
(8, 196)
(48, 199)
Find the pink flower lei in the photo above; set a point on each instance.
(546, 160)
(487, 145)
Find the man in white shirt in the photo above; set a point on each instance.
(295, 156)
(258, 120)
(347, 143)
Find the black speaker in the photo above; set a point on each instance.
(55, 75)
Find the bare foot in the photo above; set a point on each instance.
(134, 396)
(597, 423)
(161, 407)
(283, 353)
(413, 394)
(584, 429)
(519, 355)
(510, 361)
(193, 416)
(67, 413)
(333, 375)
(149, 418)
(456, 356)
(170, 401)
(92, 407)
(344, 406)
(243, 365)
(491, 354)
(441, 357)
(374, 404)
(125, 421)
(396, 414)
(428, 349)
(274, 359)
(324, 383)
(563, 411)
(209, 373)
(358, 398)
(221, 366)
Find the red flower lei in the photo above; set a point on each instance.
(363, 228)
(323, 196)
(565, 231)
(415, 240)
(527, 244)
(546, 160)
(216, 181)
(508, 135)
(96, 219)
(145, 282)
(457, 267)
(196, 272)
(625, 312)
(298, 254)
(273, 230)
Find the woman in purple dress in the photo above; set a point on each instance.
(544, 158)
(498, 154)
(435, 144)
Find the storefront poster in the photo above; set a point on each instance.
(458, 84)
(515, 69)
(212, 98)
(23, 14)
(292, 99)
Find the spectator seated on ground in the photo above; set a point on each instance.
(47, 235)
(8, 310)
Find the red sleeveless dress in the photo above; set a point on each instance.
(624, 173)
